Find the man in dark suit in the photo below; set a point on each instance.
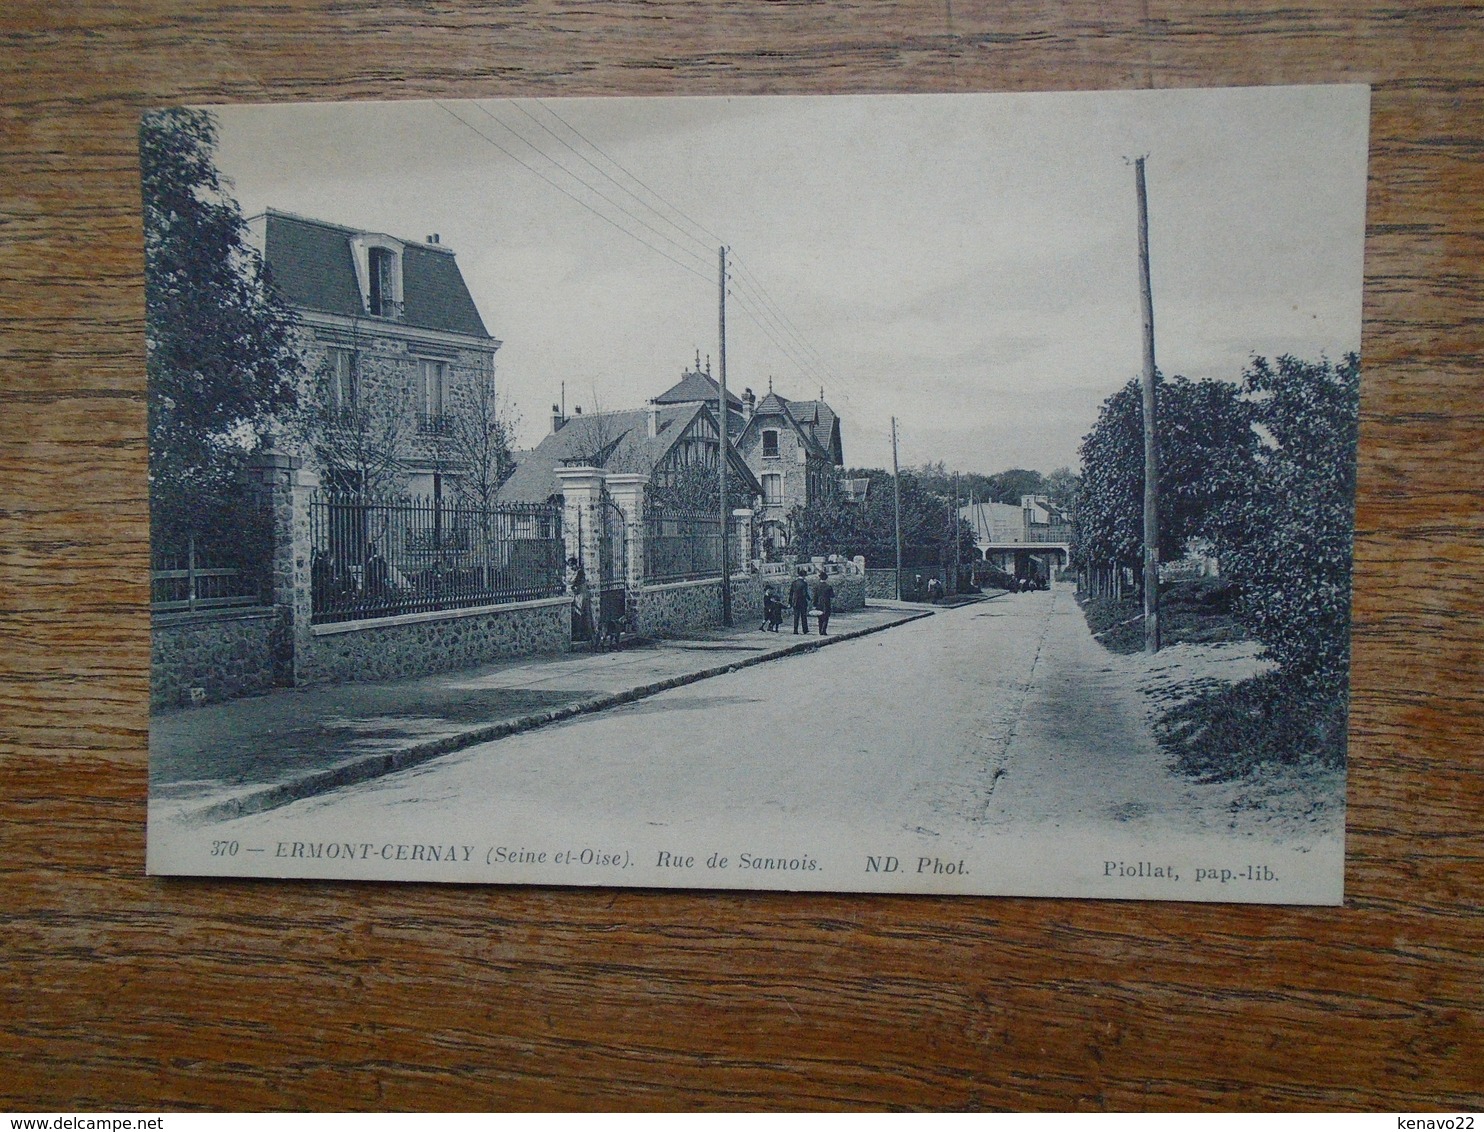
(798, 599)
(824, 601)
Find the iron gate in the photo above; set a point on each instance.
(612, 606)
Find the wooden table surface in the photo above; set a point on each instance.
(122, 992)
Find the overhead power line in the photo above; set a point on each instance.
(759, 320)
(752, 297)
(681, 248)
(576, 199)
(706, 247)
(710, 235)
(788, 324)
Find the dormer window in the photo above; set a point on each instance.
(770, 443)
(379, 269)
(382, 264)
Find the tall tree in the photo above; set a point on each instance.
(1206, 450)
(1265, 472)
(1287, 540)
(1060, 487)
(1010, 485)
(836, 527)
(220, 349)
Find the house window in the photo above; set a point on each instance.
(382, 267)
(432, 376)
(773, 489)
(342, 379)
(770, 443)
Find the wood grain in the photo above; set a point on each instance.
(124, 992)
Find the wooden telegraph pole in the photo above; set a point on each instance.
(721, 463)
(953, 531)
(1151, 455)
(896, 503)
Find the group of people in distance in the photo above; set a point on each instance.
(801, 597)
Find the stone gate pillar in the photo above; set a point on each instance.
(627, 489)
(742, 538)
(281, 487)
(582, 525)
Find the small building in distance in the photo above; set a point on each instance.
(1025, 541)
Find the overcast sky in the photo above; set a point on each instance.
(967, 263)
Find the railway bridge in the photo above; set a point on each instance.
(1029, 541)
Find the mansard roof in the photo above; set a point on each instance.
(311, 264)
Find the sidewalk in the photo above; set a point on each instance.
(250, 755)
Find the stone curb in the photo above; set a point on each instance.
(374, 766)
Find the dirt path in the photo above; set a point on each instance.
(1084, 754)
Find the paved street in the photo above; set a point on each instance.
(245, 755)
(993, 747)
(994, 714)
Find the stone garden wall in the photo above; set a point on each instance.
(882, 583)
(199, 656)
(850, 592)
(219, 655)
(420, 644)
(679, 607)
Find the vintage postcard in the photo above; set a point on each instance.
(941, 493)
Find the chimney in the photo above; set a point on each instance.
(556, 418)
(433, 239)
(654, 418)
(749, 404)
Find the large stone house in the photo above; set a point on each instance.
(394, 347)
(785, 454)
(794, 449)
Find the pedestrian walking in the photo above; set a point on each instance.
(772, 611)
(798, 599)
(582, 602)
(824, 601)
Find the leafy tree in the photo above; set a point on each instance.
(869, 529)
(1009, 486)
(1206, 449)
(1288, 539)
(1266, 472)
(1060, 487)
(220, 349)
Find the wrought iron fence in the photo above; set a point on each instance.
(681, 546)
(199, 577)
(380, 557)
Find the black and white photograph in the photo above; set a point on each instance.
(877, 493)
